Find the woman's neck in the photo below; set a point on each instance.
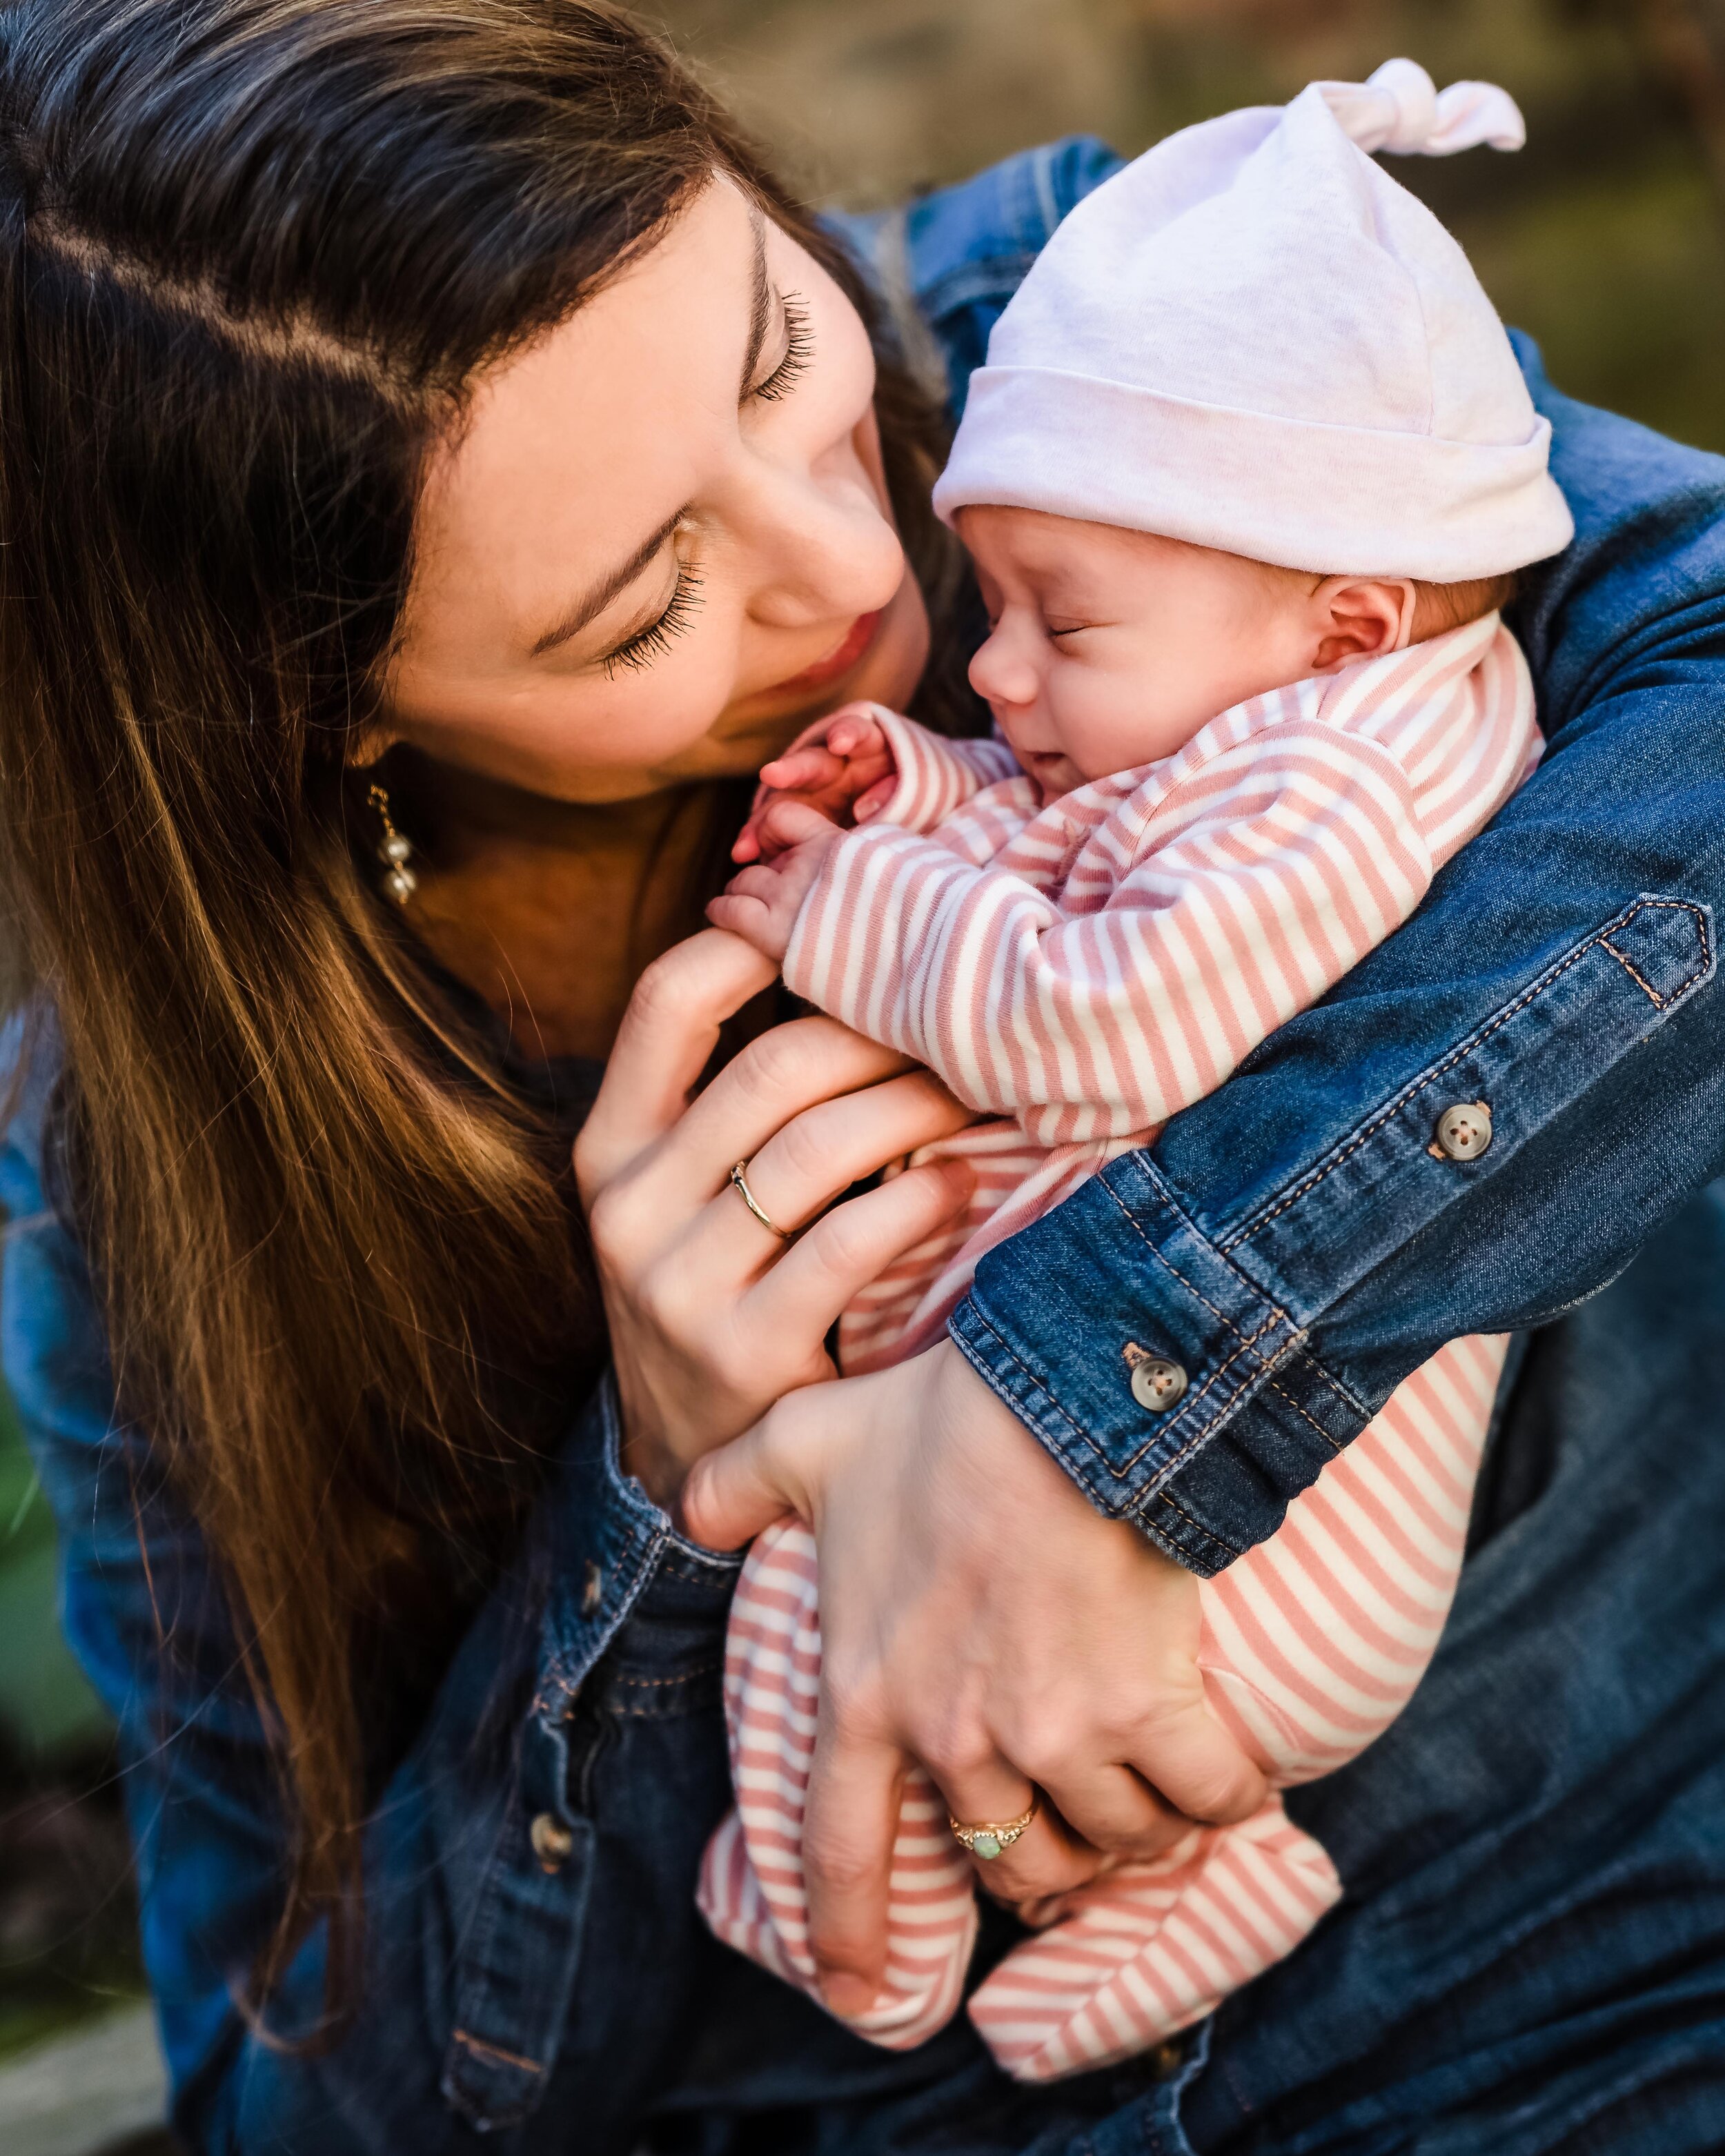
(549, 910)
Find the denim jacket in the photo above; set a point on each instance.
(534, 1966)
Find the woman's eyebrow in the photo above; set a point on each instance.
(761, 308)
(593, 603)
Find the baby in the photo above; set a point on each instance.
(1246, 480)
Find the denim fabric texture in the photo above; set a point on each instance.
(1531, 1955)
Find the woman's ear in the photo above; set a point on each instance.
(1359, 618)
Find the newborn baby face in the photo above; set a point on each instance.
(1111, 648)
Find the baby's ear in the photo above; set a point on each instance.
(1358, 618)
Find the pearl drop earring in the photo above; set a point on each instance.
(400, 883)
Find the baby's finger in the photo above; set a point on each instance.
(855, 727)
(757, 881)
(800, 770)
(871, 803)
(750, 918)
(786, 821)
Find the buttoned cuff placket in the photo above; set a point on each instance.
(1163, 1350)
(520, 1952)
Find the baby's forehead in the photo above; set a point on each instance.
(1035, 542)
(1052, 555)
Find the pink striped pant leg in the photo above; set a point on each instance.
(1313, 1643)
(752, 1889)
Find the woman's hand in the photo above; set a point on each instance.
(979, 1615)
(712, 1316)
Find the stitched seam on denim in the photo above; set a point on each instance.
(474, 1954)
(1197, 1438)
(1652, 993)
(700, 1572)
(475, 1951)
(1013, 1356)
(1465, 1047)
(1197, 1527)
(1248, 1344)
(1198, 1294)
(624, 1600)
(478, 2045)
(655, 1684)
(1334, 1444)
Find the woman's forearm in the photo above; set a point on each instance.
(1295, 1242)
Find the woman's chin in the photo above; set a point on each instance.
(891, 651)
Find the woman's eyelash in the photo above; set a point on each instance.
(645, 647)
(798, 350)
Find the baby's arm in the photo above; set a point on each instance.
(1236, 897)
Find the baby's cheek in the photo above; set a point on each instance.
(1111, 715)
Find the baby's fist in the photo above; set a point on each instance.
(762, 902)
(842, 765)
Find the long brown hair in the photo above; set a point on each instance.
(252, 254)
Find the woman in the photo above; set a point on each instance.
(431, 444)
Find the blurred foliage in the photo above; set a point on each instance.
(68, 1925)
(46, 1708)
(1605, 238)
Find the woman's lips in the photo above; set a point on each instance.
(843, 655)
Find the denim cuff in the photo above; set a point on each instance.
(1121, 1271)
(1293, 1303)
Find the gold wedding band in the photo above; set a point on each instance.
(741, 1179)
(990, 1836)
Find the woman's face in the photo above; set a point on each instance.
(661, 542)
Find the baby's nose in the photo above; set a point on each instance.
(1000, 674)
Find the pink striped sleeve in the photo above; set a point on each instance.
(1260, 876)
(935, 776)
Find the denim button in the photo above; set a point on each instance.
(1168, 2058)
(551, 1841)
(1464, 1131)
(1156, 1383)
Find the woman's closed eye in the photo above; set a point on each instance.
(797, 353)
(646, 645)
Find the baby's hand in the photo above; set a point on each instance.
(841, 767)
(760, 903)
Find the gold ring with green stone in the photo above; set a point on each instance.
(989, 1837)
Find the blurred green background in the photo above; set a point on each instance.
(1605, 238)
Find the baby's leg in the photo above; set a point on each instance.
(1313, 1643)
(752, 1890)
(1150, 1949)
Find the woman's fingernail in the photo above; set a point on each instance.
(845, 1994)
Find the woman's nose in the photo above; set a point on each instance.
(1001, 672)
(822, 547)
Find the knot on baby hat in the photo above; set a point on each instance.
(1400, 109)
(1253, 338)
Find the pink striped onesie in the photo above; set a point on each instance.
(1079, 972)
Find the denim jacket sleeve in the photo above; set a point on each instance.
(1295, 1242)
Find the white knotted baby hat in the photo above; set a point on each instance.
(1252, 338)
